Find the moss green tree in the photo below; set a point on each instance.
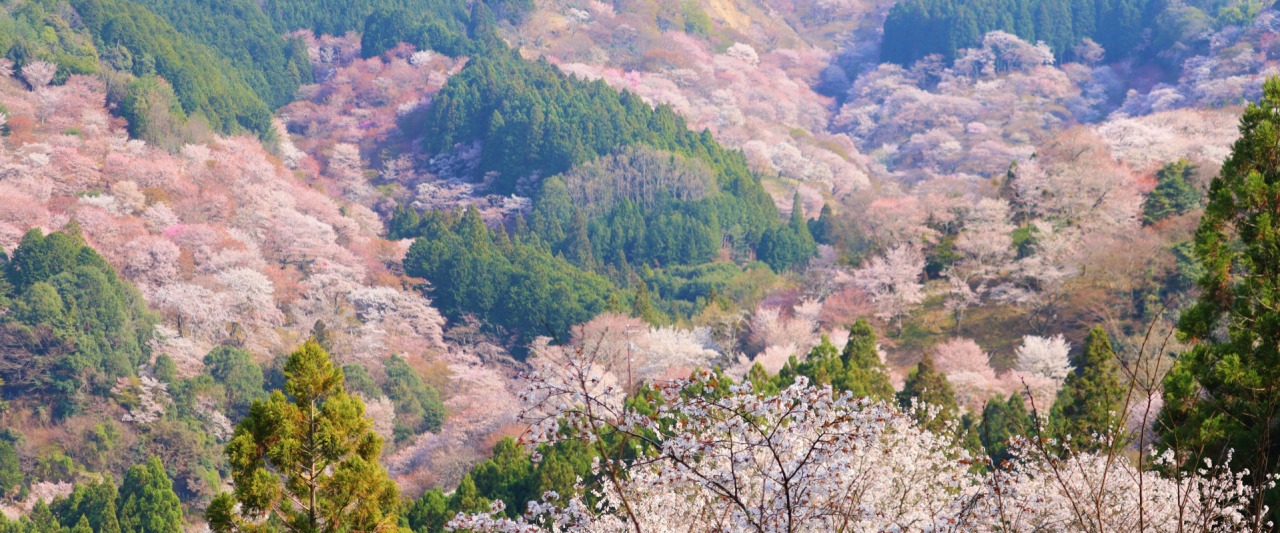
(929, 389)
(1002, 420)
(418, 406)
(147, 501)
(1224, 393)
(94, 501)
(1174, 195)
(857, 368)
(1091, 401)
(239, 375)
(10, 475)
(306, 459)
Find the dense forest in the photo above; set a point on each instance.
(917, 28)
(225, 60)
(633, 196)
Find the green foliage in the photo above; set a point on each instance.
(359, 380)
(240, 377)
(857, 368)
(337, 17)
(917, 28)
(164, 369)
(147, 501)
(1002, 420)
(1091, 401)
(429, 512)
(929, 389)
(418, 406)
(54, 466)
(440, 29)
(516, 287)
(696, 20)
(11, 477)
(630, 188)
(154, 113)
(535, 120)
(34, 31)
(1174, 195)
(320, 334)
(239, 31)
(73, 327)
(306, 458)
(94, 503)
(791, 245)
(511, 476)
(205, 81)
(1221, 394)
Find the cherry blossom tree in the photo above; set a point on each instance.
(893, 281)
(151, 261)
(809, 459)
(39, 74)
(1043, 364)
(969, 371)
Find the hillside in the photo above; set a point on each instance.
(456, 261)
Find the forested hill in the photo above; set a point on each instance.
(917, 28)
(628, 201)
(229, 62)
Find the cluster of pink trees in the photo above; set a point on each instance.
(222, 238)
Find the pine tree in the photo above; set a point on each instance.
(1091, 399)
(857, 368)
(823, 228)
(1173, 194)
(320, 334)
(10, 475)
(642, 307)
(865, 374)
(929, 389)
(147, 501)
(577, 245)
(1001, 421)
(467, 499)
(429, 512)
(96, 501)
(1224, 393)
(307, 458)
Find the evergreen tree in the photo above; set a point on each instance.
(164, 369)
(1002, 420)
(95, 501)
(642, 307)
(1091, 399)
(467, 499)
(929, 389)
(429, 512)
(307, 458)
(10, 475)
(1174, 195)
(823, 228)
(239, 375)
(506, 476)
(147, 501)
(418, 406)
(1224, 393)
(577, 245)
(857, 368)
(865, 374)
(320, 334)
